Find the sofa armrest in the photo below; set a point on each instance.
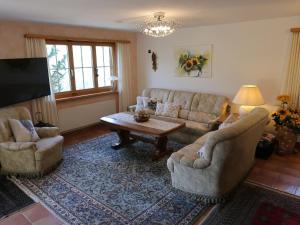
(187, 156)
(131, 108)
(16, 146)
(45, 132)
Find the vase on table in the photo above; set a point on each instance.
(286, 139)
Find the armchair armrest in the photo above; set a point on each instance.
(45, 132)
(15, 146)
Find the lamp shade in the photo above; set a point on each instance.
(249, 95)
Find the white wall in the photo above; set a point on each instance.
(254, 52)
(84, 115)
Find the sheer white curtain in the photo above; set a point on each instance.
(125, 76)
(292, 84)
(45, 105)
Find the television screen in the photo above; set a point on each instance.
(23, 79)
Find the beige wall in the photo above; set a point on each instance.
(12, 45)
(254, 52)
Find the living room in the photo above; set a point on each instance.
(149, 112)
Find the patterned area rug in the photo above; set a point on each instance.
(11, 198)
(257, 205)
(98, 185)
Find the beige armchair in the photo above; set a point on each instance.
(28, 158)
(228, 156)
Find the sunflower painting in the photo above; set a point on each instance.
(194, 63)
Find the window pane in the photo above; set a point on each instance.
(101, 77)
(87, 56)
(77, 56)
(107, 76)
(62, 52)
(104, 64)
(51, 53)
(60, 80)
(107, 56)
(58, 62)
(79, 79)
(99, 54)
(88, 78)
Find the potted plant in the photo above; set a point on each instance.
(287, 122)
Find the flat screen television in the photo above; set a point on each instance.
(23, 79)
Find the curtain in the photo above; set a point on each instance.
(125, 76)
(292, 84)
(42, 108)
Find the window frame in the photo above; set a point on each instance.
(89, 91)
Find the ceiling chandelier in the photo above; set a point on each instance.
(158, 26)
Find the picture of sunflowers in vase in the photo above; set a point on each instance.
(194, 62)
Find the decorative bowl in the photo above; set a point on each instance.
(141, 116)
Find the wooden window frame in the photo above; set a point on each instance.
(84, 92)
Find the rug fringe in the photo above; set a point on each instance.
(34, 197)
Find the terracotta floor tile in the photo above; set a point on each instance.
(36, 212)
(50, 220)
(15, 219)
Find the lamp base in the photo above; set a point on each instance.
(245, 109)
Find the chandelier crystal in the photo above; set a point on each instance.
(158, 26)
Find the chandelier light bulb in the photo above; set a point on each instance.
(158, 26)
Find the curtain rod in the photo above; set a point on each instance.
(295, 30)
(61, 38)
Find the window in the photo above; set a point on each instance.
(80, 68)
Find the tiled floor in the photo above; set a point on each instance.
(280, 172)
(35, 214)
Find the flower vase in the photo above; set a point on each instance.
(286, 139)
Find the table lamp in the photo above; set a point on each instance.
(248, 97)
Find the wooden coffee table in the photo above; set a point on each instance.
(129, 131)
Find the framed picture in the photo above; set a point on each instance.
(194, 61)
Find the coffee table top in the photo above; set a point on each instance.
(154, 126)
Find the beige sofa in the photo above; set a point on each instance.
(228, 156)
(199, 111)
(28, 158)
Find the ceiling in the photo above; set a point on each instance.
(126, 14)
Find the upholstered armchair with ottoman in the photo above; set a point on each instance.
(218, 161)
(28, 158)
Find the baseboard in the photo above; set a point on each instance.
(79, 128)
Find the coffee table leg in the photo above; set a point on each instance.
(124, 139)
(161, 148)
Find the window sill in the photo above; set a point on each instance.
(86, 96)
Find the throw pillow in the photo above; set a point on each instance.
(23, 130)
(5, 131)
(167, 109)
(229, 121)
(140, 102)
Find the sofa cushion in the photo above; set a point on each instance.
(201, 117)
(167, 109)
(157, 93)
(182, 98)
(209, 103)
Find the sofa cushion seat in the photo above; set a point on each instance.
(45, 146)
